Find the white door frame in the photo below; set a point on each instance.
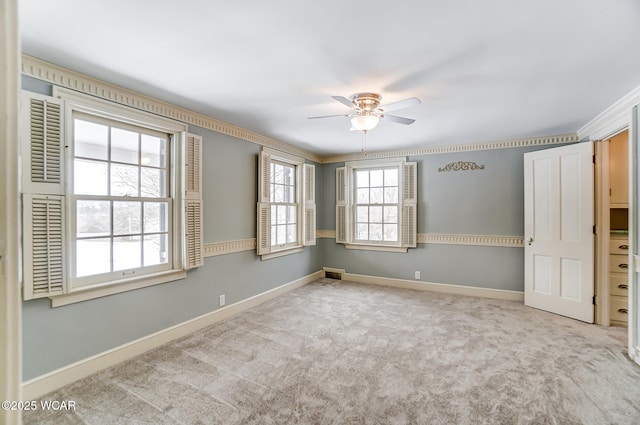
(619, 117)
(10, 304)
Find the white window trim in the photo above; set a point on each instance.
(301, 203)
(350, 168)
(181, 198)
(77, 102)
(111, 278)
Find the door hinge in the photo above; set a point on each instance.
(594, 300)
(594, 158)
(594, 229)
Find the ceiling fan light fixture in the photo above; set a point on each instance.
(365, 122)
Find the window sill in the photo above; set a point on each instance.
(282, 253)
(89, 293)
(385, 248)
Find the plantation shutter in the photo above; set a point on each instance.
(409, 204)
(309, 204)
(193, 167)
(44, 245)
(341, 205)
(263, 228)
(193, 240)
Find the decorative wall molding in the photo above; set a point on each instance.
(447, 239)
(222, 248)
(63, 77)
(473, 240)
(73, 80)
(44, 384)
(461, 166)
(325, 234)
(611, 120)
(428, 150)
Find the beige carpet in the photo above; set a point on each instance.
(342, 353)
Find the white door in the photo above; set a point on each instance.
(558, 230)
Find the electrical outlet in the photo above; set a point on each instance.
(222, 300)
(417, 275)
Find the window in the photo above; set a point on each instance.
(376, 205)
(284, 205)
(111, 198)
(121, 200)
(286, 208)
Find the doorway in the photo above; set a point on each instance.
(612, 236)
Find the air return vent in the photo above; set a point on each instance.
(333, 275)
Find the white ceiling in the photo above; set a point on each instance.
(485, 70)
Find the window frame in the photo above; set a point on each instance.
(346, 231)
(356, 204)
(185, 180)
(177, 135)
(305, 204)
(73, 198)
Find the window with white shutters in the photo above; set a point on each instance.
(286, 210)
(105, 200)
(376, 204)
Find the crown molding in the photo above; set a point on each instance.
(433, 150)
(613, 119)
(63, 77)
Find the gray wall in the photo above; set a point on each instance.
(480, 202)
(54, 338)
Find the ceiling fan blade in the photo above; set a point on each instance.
(346, 102)
(328, 116)
(405, 103)
(399, 120)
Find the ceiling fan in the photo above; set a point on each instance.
(367, 111)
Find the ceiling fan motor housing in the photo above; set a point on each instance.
(367, 102)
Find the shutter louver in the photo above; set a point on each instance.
(341, 205)
(309, 218)
(193, 237)
(310, 224)
(264, 186)
(193, 167)
(341, 224)
(409, 180)
(341, 186)
(43, 218)
(42, 145)
(44, 233)
(264, 229)
(409, 225)
(193, 222)
(409, 204)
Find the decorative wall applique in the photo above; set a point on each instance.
(461, 166)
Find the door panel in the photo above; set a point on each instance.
(559, 251)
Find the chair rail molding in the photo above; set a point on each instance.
(229, 247)
(454, 239)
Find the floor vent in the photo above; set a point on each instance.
(333, 275)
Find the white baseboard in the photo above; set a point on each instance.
(41, 385)
(500, 294)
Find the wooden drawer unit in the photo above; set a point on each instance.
(618, 309)
(619, 284)
(619, 246)
(618, 263)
